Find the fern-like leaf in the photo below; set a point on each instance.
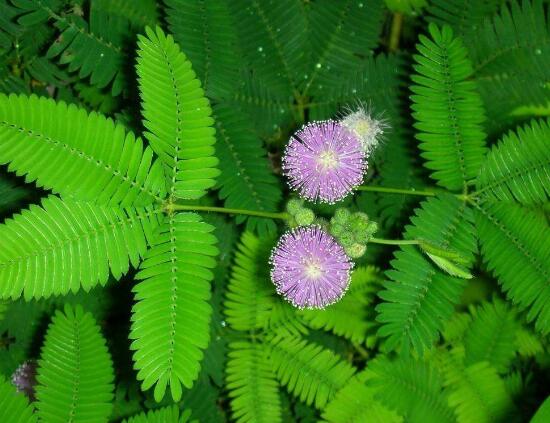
(252, 302)
(447, 109)
(79, 155)
(342, 35)
(162, 415)
(349, 317)
(511, 65)
(270, 41)
(249, 298)
(462, 15)
(516, 247)
(252, 386)
(139, 13)
(310, 372)
(419, 298)
(75, 373)
(413, 388)
(65, 245)
(355, 403)
(170, 320)
(491, 336)
(177, 115)
(477, 393)
(93, 49)
(202, 29)
(543, 413)
(246, 180)
(14, 406)
(518, 169)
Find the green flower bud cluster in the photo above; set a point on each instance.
(299, 215)
(353, 231)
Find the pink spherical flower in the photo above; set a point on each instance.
(310, 269)
(324, 161)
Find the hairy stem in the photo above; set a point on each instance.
(184, 207)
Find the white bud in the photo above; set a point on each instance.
(366, 127)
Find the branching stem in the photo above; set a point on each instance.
(412, 191)
(184, 207)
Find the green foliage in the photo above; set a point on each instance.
(308, 371)
(543, 413)
(517, 169)
(355, 402)
(119, 195)
(252, 384)
(64, 149)
(171, 316)
(516, 247)
(462, 15)
(511, 64)
(478, 394)
(14, 407)
(491, 336)
(75, 374)
(413, 388)
(447, 109)
(176, 115)
(419, 297)
(98, 239)
(247, 180)
(163, 415)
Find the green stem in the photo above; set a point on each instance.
(184, 207)
(394, 241)
(395, 34)
(373, 188)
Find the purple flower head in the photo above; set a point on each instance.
(324, 161)
(24, 378)
(310, 269)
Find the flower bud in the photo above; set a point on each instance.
(356, 250)
(304, 217)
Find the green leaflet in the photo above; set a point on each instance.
(462, 15)
(251, 381)
(76, 154)
(418, 298)
(202, 28)
(269, 41)
(246, 179)
(171, 316)
(447, 109)
(176, 115)
(341, 35)
(543, 413)
(518, 168)
(511, 65)
(516, 247)
(491, 336)
(477, 393)
(355, 403)
(163, 415)
(75, 374)
(65, 245)
(14, 406)
(310, 372)
(413, 388)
